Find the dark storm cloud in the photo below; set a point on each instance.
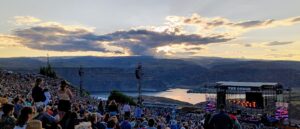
(59, 39)
(138, 42)
(145, 41)
(154, 39)
(276, 43)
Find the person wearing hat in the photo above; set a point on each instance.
(64, 95)
(34, 124)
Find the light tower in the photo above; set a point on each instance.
(139, 75)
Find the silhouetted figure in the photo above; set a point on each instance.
(38, 93)
(113, 108)
(221, 120)
(101, 107)
(207, 120)
(151, 124)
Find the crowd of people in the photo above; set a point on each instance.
(32, 101)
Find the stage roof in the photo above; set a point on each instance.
(246, 84)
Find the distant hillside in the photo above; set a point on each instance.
(209, 62)
(285, 72)
(106, 73)
(270, 65)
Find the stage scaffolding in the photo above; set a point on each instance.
(253, 97)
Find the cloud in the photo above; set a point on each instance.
(296, 19)
(252, 24)
(58, 37)
(276, 43)
(282, 55)
(224, 26)
(179, 50)
(247, 45)
(142, 40)
(9, 40)
(212, 22)
(193, 49)
(26, 20)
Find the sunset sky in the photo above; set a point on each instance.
(249, 29)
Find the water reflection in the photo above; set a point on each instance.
(177, 94)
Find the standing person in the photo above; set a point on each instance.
(25, 116)
(8, 121)
(101, 107)
(127, 110)
(236, 123)
(113, 108)
(221, 120)
(38, 93)
(64, 95)
(138, 112)
(207, 120)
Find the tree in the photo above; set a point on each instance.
(120, 97)
(48, 71)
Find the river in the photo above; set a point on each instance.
(176, 93)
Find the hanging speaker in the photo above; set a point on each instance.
(137, 74)
(221, 98)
